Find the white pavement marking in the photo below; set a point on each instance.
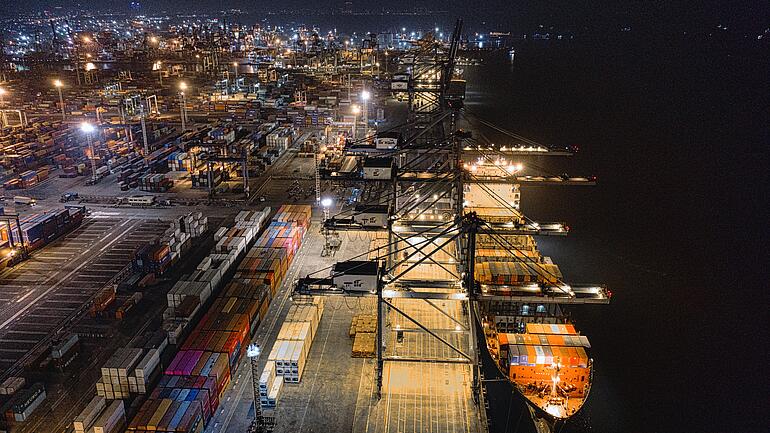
(29, 305)
(25, 296)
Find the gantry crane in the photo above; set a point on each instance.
(424, 207)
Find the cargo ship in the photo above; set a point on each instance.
(534, 345)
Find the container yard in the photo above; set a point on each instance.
(190, 389)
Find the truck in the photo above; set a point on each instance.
(21, 200)
(141, 200)
(68, 196)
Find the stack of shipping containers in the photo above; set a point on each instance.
(192, 385)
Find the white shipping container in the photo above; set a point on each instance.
(12, 385)
(275, 389)
(267, 378)
(204, 264)
(84, 420)
(112, 416)
(133, 356)
(148, 364)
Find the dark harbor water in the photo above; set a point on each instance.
(677, 133)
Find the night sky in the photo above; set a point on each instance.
(655, 14)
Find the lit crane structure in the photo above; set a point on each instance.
(441, 194)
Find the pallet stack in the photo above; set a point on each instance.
(363, 329)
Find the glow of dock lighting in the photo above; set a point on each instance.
(87, 127)
(57, 83)
(365, 95)
(182, 86)
(253, 350)
(519, 167)
(90, 66)
(86, 39)
(154, 40)
(435, 196)
(458, 328)
(326, 202)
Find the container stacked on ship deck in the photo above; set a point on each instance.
(529, 358)
(192, 385)
(519, 262)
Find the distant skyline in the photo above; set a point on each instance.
(754, 14)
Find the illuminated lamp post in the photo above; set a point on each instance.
(365, 95)
(182, 107)
(58, 84)
(326, 203)
(88, 129)
(355, 111)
